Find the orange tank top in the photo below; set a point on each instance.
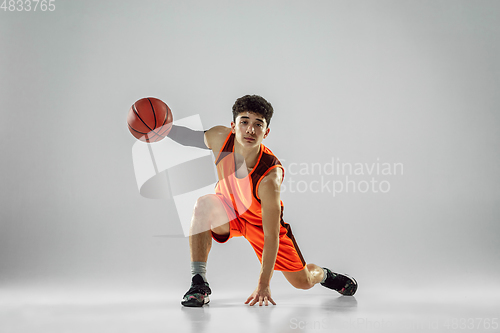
(243, 192)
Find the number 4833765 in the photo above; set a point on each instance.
(28, 5)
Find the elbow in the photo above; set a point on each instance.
(272, 237)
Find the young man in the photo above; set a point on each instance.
(247, 203)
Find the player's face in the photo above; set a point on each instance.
(250, 129)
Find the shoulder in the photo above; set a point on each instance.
(215, 137)
(267, 161)
(275, 175)
(271, 183)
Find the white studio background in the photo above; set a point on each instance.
(408, 82)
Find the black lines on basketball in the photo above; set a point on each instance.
(135, 129)
(152, 109)
(138, 116)
(149, 119)
(165, 129)
(148, 136)
(155, 128)
(138, 134)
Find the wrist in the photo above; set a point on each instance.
(264, 282)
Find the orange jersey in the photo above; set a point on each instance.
(243, 205)
(243, 192)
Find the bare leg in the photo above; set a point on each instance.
(306, 278)
(200, 245)
(208, 212)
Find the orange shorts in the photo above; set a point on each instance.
(288, 259)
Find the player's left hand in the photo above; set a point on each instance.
(262, 295)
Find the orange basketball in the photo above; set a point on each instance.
(149, 119)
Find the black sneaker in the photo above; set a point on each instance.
(344, 284)
(197, 295)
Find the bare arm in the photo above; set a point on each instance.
(214, 138)
(200, 139)
(269, 193)
(187, 137)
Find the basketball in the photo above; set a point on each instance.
(149, 119)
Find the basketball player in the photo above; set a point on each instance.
(247, 203)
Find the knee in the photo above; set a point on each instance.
(304, 282)
(204, 206)
(201, 214)
(304, 285)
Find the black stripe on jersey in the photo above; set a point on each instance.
(290, 235)
(228, 148)
(266, 161)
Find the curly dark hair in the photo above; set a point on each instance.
(255, 104)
